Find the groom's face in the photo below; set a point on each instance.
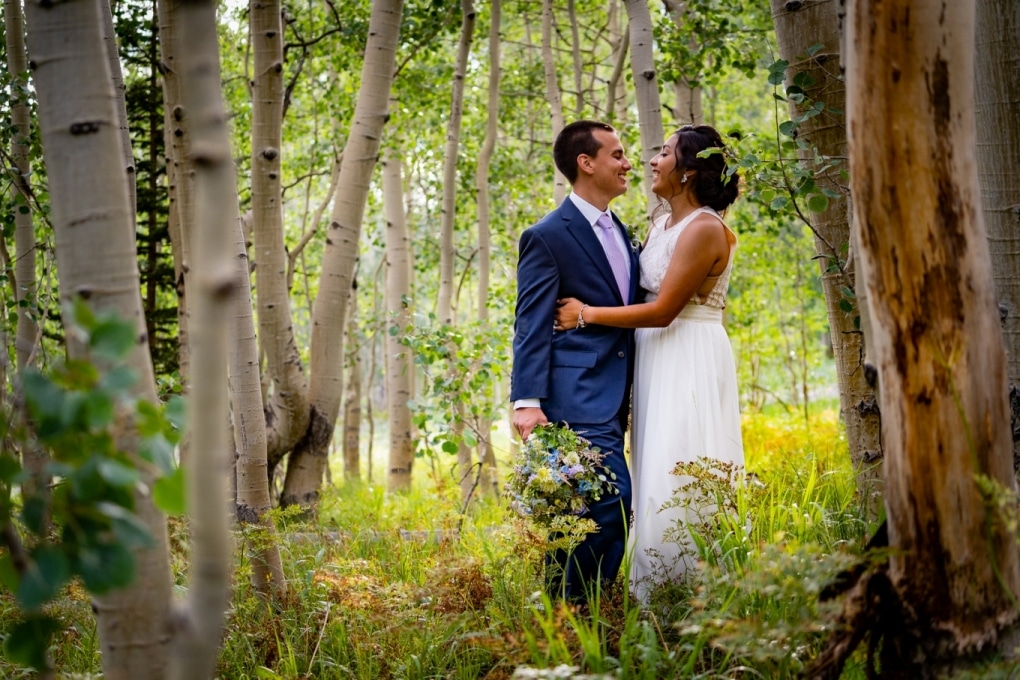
(610, 166)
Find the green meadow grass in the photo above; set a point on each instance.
(403, 586)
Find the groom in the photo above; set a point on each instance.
(583, 376)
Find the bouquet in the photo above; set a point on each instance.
(558, 474)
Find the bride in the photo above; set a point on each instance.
(685, 384)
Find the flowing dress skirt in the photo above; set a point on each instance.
(685, 406)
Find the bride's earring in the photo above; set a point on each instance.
(683, 180)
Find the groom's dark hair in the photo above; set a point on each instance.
(576, 139)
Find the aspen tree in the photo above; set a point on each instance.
(96, 260)
(398, 315)
(997, 100)
(808, 38)
(308, 461)
(949, 589)
(646, 88)
(201, 622)
(552, 93)
(288, 399)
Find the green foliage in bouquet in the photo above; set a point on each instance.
(557, 476)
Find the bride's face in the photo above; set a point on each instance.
(666, 175)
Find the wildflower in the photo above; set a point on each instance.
(559, 474)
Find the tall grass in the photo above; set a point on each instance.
(398, 586)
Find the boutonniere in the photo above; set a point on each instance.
(632, 236)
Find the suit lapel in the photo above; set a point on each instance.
(582, 231)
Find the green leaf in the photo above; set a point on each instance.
(130, 531)
(98, 410)
(86, 482)
(450, 446)
(47, 573)
(9, 578)
(777, 70)
(119, 379)
(82, 314)
(104, 567)
(44, 398)
(848, 292)
(29, 639)
(803, 80)
(787, 128)
(112, 339)
(9, 468)
(117, 473)
(817, 203)
(33, 514)
(779, 202)
(157, 449)
(175, 412)
(168, 493)
(846, 305)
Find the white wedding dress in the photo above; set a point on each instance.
(685, 407)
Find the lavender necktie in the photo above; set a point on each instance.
(617, 258)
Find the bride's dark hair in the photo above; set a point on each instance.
(712, 186)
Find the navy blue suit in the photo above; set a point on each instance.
(582, 376)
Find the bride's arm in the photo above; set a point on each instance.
(701, 245)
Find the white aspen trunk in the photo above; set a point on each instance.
(448, 251)
(288, 406)
(686, 99)
(24, 230)
(249, 420)
(799, 28)
(96, 261)
(180, 177)
(997, 100)
(120, 90)
(936, 329)
(27, 336)
(575, 54)
(646, 87)
(352, 399)
(326, 382)
(486, 453)
(616, 98)
(197, 641)
(399, 369)
(552, 93)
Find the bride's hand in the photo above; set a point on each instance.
(566, 314)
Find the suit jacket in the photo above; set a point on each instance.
(582, 375)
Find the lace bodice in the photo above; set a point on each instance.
(658, 252)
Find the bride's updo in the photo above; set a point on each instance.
(712, 187)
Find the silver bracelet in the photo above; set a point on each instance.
(580, 317)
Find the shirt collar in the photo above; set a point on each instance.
(590, 212)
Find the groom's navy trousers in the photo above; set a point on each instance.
(582, 377)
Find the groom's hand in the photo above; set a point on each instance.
(527, 419)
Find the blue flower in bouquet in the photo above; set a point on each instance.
(557, 473)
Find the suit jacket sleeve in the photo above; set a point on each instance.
(538, 283)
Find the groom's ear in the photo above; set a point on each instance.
(585, 164)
